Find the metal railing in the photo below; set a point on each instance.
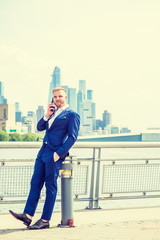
(95, 178)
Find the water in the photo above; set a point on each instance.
(106, 153)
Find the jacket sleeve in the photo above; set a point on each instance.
(41, 125)
(73, 128)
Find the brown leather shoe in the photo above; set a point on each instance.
(22, 217)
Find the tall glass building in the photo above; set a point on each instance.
(3, 100)
(86, 109)
(66, 88)
(40, 112)
(54, 83)
(79, 101)
(1, 89)
(18, 112)
(106, 116)
(87, 124)
(82, 87)
(94, 115)
(17, 106)
(89, 94)
(72, 98)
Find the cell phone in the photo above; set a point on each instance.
(52, 108)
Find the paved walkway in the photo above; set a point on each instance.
(128, 224)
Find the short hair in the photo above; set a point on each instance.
(59, 89)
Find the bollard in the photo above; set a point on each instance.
(66, 195)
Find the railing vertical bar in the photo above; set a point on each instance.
(92, 180)
(97, 180)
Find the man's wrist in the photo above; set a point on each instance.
(45, 118)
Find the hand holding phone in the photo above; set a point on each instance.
(51, 109)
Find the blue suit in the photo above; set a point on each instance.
(59, 138)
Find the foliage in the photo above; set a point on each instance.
(27, 137)
(4, 136)
(15, 137)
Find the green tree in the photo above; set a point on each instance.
(15, 137)
(29, 137)
(4, 136)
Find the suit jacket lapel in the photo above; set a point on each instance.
(59, 116)
(47, 125)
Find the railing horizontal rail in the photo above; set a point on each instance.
(17, 160)
(87, 159)
(85, 145)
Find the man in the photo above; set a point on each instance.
(62, 126)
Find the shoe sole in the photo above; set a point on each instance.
(38, 228)
(26, 224)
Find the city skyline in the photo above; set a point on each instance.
(114, 46)
(80, 100)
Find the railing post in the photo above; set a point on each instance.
(98, 180)
(92, 182)
(66, 195)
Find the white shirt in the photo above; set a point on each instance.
(55, 114)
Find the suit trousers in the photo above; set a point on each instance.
(45, 171)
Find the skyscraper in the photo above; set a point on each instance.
(79, 101)
(66, 88)
(94, 115)
(82, 87)
(2, 99)
(87, 124)
(1, 89)
(54, 83)
(72, 99)
(7, 117)
(31, 121)
(98, 124)
(18, 113)
(80, 107)
(40, 112)
(86, 109)
(17, 106)
(106, 116)
(89, 94)
(18, 116)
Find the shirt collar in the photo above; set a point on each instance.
(63, 108)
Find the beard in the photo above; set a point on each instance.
(59, 104)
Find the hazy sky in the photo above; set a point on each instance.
(113, 45)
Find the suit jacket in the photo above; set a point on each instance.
(63, 132)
